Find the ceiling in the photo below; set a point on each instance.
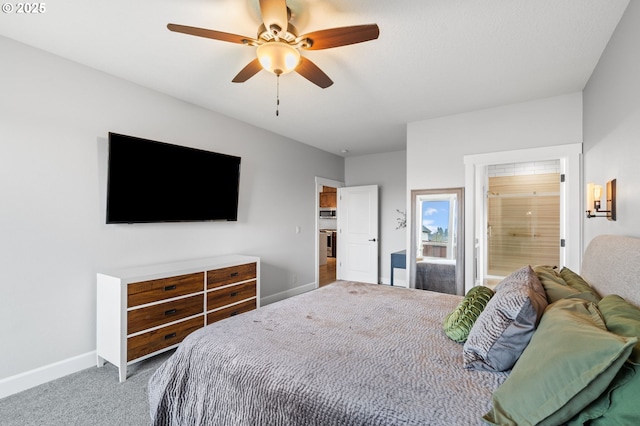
(433, 58)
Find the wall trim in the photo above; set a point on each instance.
(287, 294)
(29, 379)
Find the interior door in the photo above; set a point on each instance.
(357, 256)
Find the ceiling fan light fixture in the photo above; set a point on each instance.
(278, 57)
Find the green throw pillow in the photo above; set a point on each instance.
(570, 361)
(577, 282)
(622, 318)
(618, 405)
(555, 287)
(459, 322)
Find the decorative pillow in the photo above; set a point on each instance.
(504, 328)
(577, 282)
(622, 318)
(459, 322)
(618, 404)
(549, 272)
(555, 287)
(569, 362)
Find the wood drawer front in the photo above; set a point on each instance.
(233, 274)
(164, 288)
(155, 315)
(231, 311)
(228, 295)
(161, 338)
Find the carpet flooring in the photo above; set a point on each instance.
(92, 397)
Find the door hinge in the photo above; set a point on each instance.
(562, 242)
(562, 178)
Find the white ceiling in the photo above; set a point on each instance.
(433, 58)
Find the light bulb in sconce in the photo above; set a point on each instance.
(590, 197)
(597, 195)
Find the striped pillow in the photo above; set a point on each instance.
(504, 328)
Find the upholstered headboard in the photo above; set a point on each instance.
(611, 264)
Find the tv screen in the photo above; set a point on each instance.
(150, 181)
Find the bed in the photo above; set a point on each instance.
(437, 275)
(362, 354)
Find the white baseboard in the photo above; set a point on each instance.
(287, 294)
(29, 379)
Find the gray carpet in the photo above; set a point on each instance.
(92, 397)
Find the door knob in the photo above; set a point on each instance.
(373, 239)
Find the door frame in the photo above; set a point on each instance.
(570, 156)
(320, 182)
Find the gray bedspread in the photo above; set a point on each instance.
(345, 354)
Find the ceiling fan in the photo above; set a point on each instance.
(278, 43)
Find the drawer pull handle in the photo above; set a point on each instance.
(169, 336)
(234, 313)
(169, 287)
(170, 312)
(234, 294)
(234, 274)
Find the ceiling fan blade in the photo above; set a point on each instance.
(247, 72)
(311, 72)
(274, 12)
(216, 35)
(342, 36)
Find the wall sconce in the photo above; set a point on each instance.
(594, 195)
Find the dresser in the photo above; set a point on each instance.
(144, 311)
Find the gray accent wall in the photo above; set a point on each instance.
(55, 116)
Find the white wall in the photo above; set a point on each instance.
(612, 127)
(436, 147)
(388, 171)
(54, 120)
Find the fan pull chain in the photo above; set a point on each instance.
(277, 95)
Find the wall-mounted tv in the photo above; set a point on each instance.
(150, 181)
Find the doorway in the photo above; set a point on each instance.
(326, 245)
(569, 242)
(327, 234)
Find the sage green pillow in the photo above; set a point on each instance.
(619, 404)
(577, 282)
(555, 287)
(458, 323)
(622, 318)
(570, 361)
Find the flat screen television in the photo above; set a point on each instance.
(150, 181)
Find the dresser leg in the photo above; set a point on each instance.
(100, 361)
(123, 373)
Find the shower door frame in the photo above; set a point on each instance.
(571, 198)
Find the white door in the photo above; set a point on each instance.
(357, 255)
